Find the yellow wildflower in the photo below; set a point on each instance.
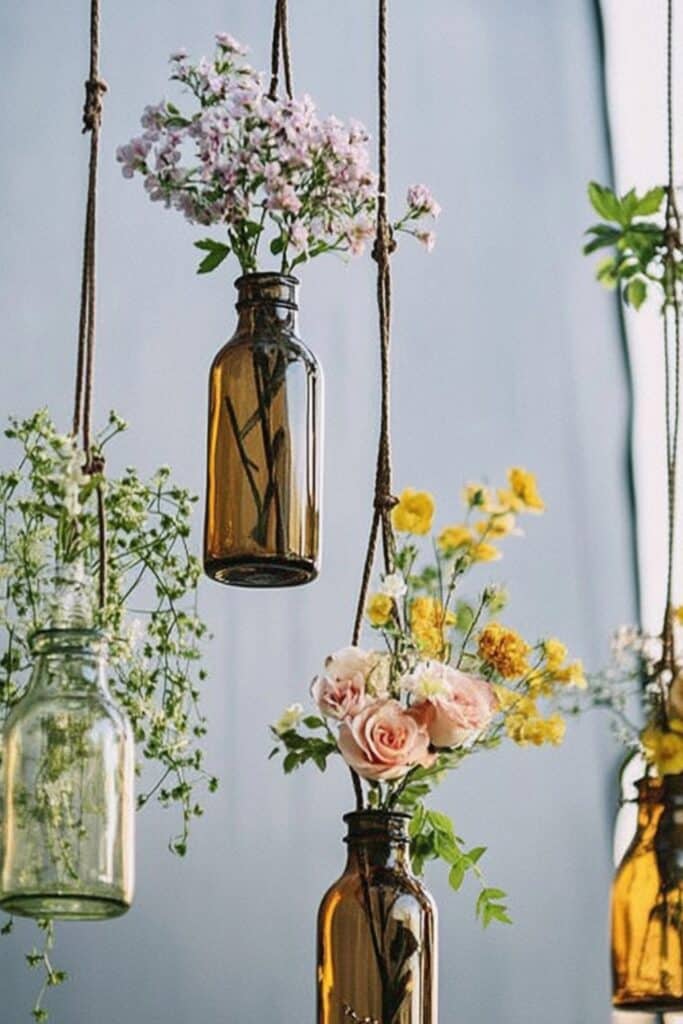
(498, 525)
(664, 748)
(428, 624)
(572, 675)
(414, 512)
(476, 496)
(555, 728)
(527, 726)
(453, 537)
(555, 653)
(504, 650)
(539, 684)
(522, 494)
(379, 609)
(484, 552)
(678, 614)
(506, 698)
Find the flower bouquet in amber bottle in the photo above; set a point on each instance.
(449, 680)
(279, 182)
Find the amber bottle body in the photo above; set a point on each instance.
(377, 932)
(262, 520)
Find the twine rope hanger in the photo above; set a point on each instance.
(95, 87)
(384, 246)
(672, 387)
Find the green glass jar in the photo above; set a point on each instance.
(67, 793)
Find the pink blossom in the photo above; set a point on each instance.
(384, 741)
(298, 236)
(454, 707)
(426, 238)
(230, 44)
(421, 201)
(339, 698)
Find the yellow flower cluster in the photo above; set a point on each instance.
(664, 747)
(570, 674)
(428, 623)
(504, 650)
(525, 725)
(522, 493)
(380, 609)
(414, 512)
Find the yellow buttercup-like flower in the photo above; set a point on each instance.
(428, 624)
(678, 614)
(572, 675)
(498, 525)
(414, 512)
(522, 494)
(506, 698)
(526, 726)
(379, 609)
(504, 650)
(476, 496)
(484, 552)
(555, 654)
(664, 748)
(453, 537)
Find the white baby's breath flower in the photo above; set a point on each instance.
(393, 585)
(289, 718)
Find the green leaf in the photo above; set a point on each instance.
(214, 257)
(607, 272)
(440, 822)
(277, 245)
(313, 722)
(650, 202)
(456, 875)
(475, 854)
(604, 202)
(291, 762)
(636, 292)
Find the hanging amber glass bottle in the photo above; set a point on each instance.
(377, 931)
(263, 471)
(67, 792)
(647, 904)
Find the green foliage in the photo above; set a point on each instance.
(48, 519)
(215, 251)
(433, 837)
(298, 748)
(645, 257)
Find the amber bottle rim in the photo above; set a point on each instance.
(377, 826)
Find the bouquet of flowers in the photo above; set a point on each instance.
(450, 680)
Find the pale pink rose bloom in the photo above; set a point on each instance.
(348, 661)
(384, 740)
(339, 698)
(455, 707)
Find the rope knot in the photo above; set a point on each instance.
(95, 465)
(95, 89)
(385, 243)
(385, 501)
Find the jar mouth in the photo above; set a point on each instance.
(266, 288)
(56, 639)
(377, 825)
(265, 275)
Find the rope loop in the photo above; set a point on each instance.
(95, 89)
(384, 502)
(95, 465)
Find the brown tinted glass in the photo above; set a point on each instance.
(263, 491)
(647, 904)
(377, 932)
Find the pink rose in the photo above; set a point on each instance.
(339, 698)
(384, 741)
(454, 707)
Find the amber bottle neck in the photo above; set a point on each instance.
(267, 304)
(650, 803)
(377, 839)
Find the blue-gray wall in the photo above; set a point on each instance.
(505, 352)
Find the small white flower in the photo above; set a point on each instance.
(393, 585)
(290, 718)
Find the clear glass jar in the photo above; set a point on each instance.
(377, 931)
(67, 794)
(262, 520)
(647, 904)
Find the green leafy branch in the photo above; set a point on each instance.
(634, 227)
(298, 749)
(433, 837)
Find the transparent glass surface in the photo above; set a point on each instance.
(262, 518)
(377, 932)
(67, 794)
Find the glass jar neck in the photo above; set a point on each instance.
(69, 660)
(267, 304)
(377, 839)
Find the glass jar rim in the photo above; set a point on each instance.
(59, 638)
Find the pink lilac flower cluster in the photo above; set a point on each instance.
(265, 169)
(386, 729)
